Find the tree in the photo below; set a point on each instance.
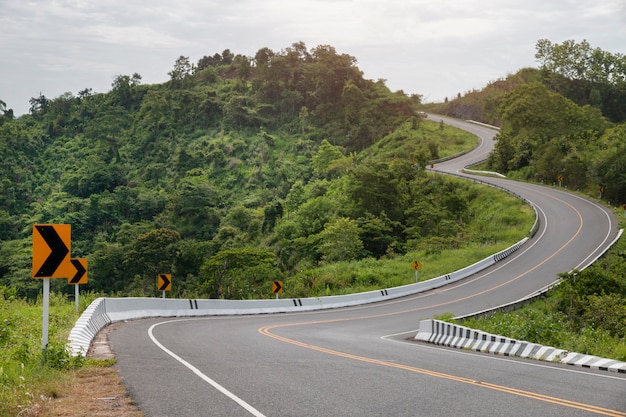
(373, 186)
(209, 61)
(542, 130)
(182, 69)
(124, 90)
(240, 226)
(193, 204)
(150, 254)
(313, 215)
(39, 104)
(92, 176)
(568, 59)
(7, 114)
(227, 57)
(233, 273)
(271, 213)
(244, 69)
(263, 57)
(340, 241)
(242, 111)
(585, 75)
(326, 159)
(610, 168)
(107, 272)
(579, 61)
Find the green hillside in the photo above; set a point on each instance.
(242, 170)
(236, 172)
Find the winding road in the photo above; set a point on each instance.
(362, 361)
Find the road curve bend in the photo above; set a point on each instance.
(360, 361)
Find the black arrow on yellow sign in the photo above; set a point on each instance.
(81, 271)
(56, 263)
(164, 282)
(277, 287)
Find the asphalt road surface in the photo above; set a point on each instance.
(362, 361)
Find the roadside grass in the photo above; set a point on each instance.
(541, 322)
(27, 373)
(440, 141)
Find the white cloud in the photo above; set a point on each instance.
(434, 48)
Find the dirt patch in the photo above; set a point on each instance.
(92, 391)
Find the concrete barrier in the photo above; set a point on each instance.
(93, 319)
(104, 311)
(457, 336)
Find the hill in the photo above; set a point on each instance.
(242, 170)
(575, 70)
(236, 172)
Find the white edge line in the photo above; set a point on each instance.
(253, 411)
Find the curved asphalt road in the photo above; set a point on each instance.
(361, 361)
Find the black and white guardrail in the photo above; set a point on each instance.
(104, 311)
(453, 335)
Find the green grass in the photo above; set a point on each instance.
(441, 141)
(541, 322)
(26, 371)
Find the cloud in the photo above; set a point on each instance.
(435, 48)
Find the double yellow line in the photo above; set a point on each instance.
(267, 331)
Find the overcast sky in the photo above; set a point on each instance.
(436, 48)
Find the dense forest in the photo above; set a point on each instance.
(236, 171)
(241, 170)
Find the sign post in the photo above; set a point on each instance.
(46, 313)
(51, 259)
(416, 265)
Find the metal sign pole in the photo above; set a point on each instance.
(76, 296)
(46, 304)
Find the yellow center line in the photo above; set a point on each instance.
(267, 331)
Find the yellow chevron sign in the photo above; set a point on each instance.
(164, 282)
(51, 251)
(277, 287)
